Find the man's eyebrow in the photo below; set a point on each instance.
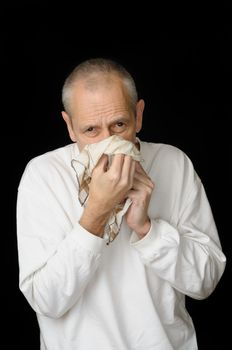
(113, 121)
(90, 125)
(119, 119)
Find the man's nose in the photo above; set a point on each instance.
(106, 133)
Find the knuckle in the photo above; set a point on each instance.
(152, 184)
(148, 191)
(114, 177)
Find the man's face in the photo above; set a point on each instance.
(101, 112)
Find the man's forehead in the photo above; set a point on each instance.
(99, 80)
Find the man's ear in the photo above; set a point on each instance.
(69, 125)
(139, 114)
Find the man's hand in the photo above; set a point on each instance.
(108, 187)
(140, 194)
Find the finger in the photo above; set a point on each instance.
(144, 179)
(128, 169)
(102, 163)
(138, 185)
(139, 168)
(132, 172)
(117, 163)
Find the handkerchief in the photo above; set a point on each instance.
(84, 165)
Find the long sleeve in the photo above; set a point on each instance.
(57, 257)
(183, 247)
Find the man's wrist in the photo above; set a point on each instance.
(143, 231)
(94, 221)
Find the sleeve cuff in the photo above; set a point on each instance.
(87, 240)
(160, 236)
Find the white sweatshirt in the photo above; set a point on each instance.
(129, 295)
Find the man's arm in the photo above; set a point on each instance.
(57, 257)
(182, 246)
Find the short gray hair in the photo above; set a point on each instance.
(99, 65)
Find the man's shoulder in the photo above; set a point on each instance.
(47, 164)
(61, 154)
(168, 156)
(161, 149)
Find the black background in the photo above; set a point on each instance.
(181, 60)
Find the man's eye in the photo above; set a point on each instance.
(120, 124)
(119, 127)
(90, 129)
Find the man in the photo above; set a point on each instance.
(94, 287)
